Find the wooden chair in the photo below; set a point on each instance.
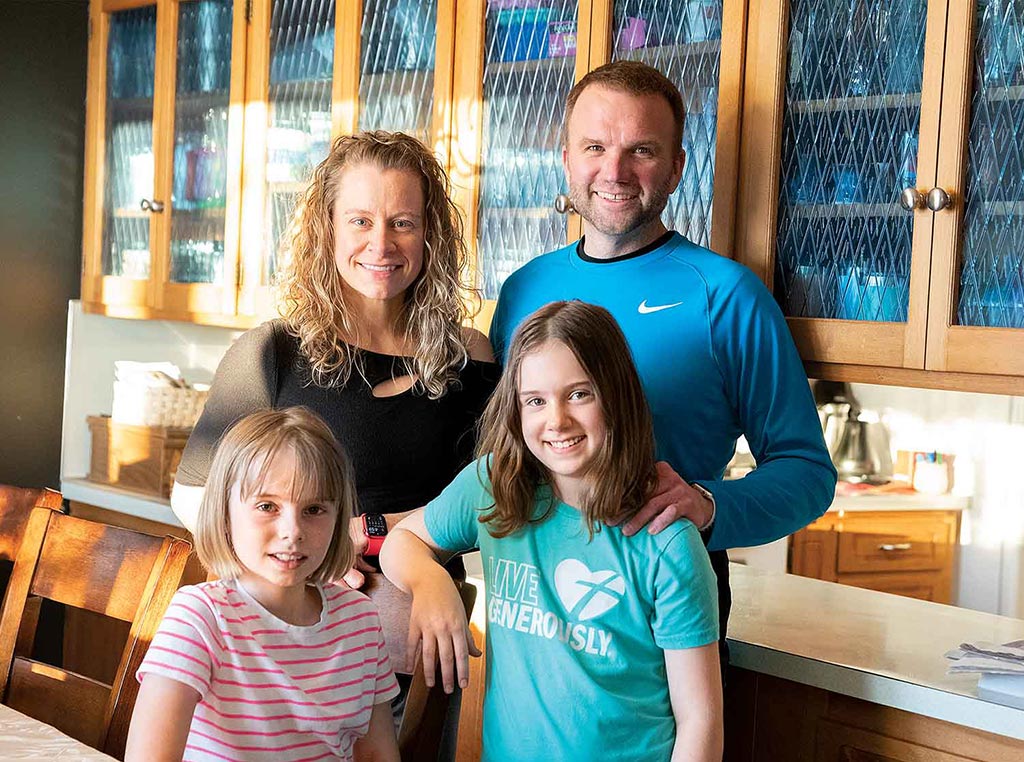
(419, 736)
(16, 504)
(117, 572)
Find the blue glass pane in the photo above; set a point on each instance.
(396, 75)
(199, 186)
(128, 157)
(299, 110)
(682, 40)
(849, 146)
(528, 71)
(992, 275)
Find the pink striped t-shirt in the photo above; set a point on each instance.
(270, 690)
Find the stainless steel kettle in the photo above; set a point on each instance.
(861, 452)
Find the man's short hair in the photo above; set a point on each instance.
(634, 78)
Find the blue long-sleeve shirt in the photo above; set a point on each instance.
(717, 361)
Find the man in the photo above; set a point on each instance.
(710, 343)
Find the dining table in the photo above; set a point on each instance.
(24, 737)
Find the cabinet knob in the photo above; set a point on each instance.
(562, 204)
(911, 199)
(938, 200)
(152, 205)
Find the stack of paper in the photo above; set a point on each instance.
(1001, 668)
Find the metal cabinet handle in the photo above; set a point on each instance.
(562, 204)
(889, 547)
(151, 205)
(938, 200)
(911, 199)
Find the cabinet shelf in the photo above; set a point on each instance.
(534, 212)
(1004, 208)
(858, 103)
(996, 94)
(682, 50)
(129, 213)
(803, 211)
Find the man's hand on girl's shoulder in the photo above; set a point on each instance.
(672, 499)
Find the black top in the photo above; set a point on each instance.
(405, 449)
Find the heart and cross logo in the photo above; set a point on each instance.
(585, 593)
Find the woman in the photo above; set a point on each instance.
(372, 337)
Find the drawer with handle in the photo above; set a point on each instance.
(913, 543)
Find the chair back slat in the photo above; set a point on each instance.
(113, 566)
(16, 503)
(109, 570)
(48, 694)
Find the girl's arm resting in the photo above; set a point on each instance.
(695, 689)
(411, 560)
(379, 744)
(161, 720)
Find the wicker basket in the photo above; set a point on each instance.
(168, 406)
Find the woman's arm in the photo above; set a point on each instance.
(160, 721)
(411, 560)
(185, 502)
(379, 744)
(695, 689)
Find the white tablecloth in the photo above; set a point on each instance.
(22, 737)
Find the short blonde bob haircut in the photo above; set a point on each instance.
(436, 304)
(244, 456)
(622, 473)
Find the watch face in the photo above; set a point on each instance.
(375, 524)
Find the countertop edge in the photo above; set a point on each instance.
(122, 501)
(967, 711)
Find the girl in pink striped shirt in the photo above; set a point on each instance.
(273, 661)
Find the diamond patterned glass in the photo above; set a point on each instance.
(299, 110)
(200, 141)
(992, 279)
(849, 146)
(528, 72)
(396, 75)
(683, 40)
(128, 163)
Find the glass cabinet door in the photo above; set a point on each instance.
(850, 145)
(199, 165)
(128, 166)
(290, 73)
(991, 281)
(528, 69)
(683, 40)
(398, 40)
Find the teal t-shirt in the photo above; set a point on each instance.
(576, 628)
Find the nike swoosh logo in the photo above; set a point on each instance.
(643, 309)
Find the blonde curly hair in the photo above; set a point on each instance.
(436, 303)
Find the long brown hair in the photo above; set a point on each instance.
(622, 473)
(436, 304)
(244, 456)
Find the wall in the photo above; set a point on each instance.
(42, 78)
(986, 433)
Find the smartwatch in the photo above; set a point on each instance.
(375, 528)
(705, 492)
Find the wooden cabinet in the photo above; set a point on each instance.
(230, 105)
(769, 719)
(850, 106)
(911, 553)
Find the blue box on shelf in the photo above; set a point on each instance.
(522, 33)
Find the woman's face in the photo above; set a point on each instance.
(378, 231)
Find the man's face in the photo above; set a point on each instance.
(621, 161)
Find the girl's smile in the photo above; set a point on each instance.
(562, 420)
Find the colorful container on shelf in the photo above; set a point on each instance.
(561, 39)
(522, 33)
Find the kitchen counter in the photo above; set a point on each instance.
(148, 507)
(873, 646)
(894, 501)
